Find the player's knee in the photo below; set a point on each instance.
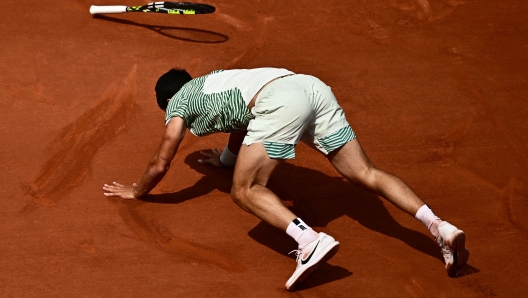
(366, 177)
(238, 195)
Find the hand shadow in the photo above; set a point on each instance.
(180, 33)
(214, 178)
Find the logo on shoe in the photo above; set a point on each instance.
(305, 261)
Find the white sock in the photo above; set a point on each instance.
(301, 232)
(429, 219)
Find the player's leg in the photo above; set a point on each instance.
(282, 111)
(352, 162)
(333, 136)
(252, 172)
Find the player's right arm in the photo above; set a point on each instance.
(158, 165)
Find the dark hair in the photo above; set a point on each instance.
(169, 84)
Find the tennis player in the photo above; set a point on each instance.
(268, 111)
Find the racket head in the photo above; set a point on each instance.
(174, 8)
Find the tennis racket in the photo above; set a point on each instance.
(158, 7)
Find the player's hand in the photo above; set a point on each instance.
(212, 158)
(119, 190)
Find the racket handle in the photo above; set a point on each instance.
(94, 9)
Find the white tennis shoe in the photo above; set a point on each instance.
(452, 241)
(311, 256)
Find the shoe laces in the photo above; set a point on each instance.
(298, 254)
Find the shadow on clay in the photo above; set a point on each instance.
(214, 178)
(326, 273)
(179, 33)
(283, 244)
(467, 270)
(318, 199)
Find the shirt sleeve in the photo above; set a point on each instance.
(178, 107)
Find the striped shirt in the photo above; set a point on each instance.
(222, 106)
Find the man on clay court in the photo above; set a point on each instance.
(268, 111)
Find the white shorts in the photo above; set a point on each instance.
(297, 107)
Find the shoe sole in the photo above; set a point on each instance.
(328, 254)
(460, 253)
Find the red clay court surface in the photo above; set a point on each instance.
(435, 90)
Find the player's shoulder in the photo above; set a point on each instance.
(214, 71)
(202, 78)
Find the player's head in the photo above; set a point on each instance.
(169, 84)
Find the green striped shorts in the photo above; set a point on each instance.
(294, 108)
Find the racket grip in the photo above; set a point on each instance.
(94, 9)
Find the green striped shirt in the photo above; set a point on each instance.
(204, 114)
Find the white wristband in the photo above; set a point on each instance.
(228, 158)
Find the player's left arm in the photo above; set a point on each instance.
(228, 156)
(158, 165)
